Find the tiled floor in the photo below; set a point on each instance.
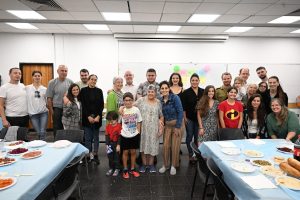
(146, 187)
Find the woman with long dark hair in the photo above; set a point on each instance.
(176, 85)
(276, 90)
(254, 125)
(207, 116)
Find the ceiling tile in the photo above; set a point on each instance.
(112, 6)
(175, 17)
(214, 8)
(282, 30)
(6, 15)
(145, 17)
(55, 31)
(222, 1)
(230, 18)
(279, 9)
(247, 9)
(95, 16)
(77, 5)
(261, 30)
(144, 29)
(146, 7)
(100, 32)
(12, 5)
(47, 26)
(191, 29)
(214, 30)
(56, 15)
(259, 19)
(121, 28)
(72, 27)
(180, 7)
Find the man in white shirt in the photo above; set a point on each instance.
(84, 77)
(13, 101)
(129, 86)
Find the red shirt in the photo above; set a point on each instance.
(231, 113)
(113, 131)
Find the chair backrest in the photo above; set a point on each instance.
(222, 190)
(200, 159)
(230, 134)
(71, 135)
(22, 133)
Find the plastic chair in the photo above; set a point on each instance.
(22, 133)
(230, 134)
(200, 168)
(221, 189)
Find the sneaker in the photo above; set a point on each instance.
(91, 156)
(173, 171)
(162, 170)
(125, 174)
(152, 169)
(134, 173)
(116, 172)
(109, 172)
(142, 169)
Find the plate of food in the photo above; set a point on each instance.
(17, 151)
(253, 153)
(7, 161)
(289, 182)
(261, 162)
(61, 144)
(278, 159)
(6, 182)
(36, 143)
(242, 167)
(271, 171)
(14, 144)
(285, 149)
(32, 154)
(231, 151)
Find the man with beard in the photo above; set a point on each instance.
(84, 77)
(262, 74)
(221, 92)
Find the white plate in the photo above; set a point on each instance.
(242, 167)
(27, 158)
(280, 179)
(13, 183)
(231, 151)
(271, 171)
(1, 165)
(36, 143)
(256, 164)
(253, 153)
(61, 144)
(14, 146)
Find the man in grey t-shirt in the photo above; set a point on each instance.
(56, 90)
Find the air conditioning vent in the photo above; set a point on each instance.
(42, 5)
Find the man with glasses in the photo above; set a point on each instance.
(262, 74)
(84, 77)
(13, 101)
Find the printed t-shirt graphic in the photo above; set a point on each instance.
(130, 119)
(231, 113)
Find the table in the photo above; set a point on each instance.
(232, 177)
(44, 168)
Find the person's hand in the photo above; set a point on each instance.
(121, 110)
(118, 148)
(177, 132)
(5, 123)
(97, 119)
(66, 100)
(91, 120)
(201, 132)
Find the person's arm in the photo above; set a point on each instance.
(111, 104)
(290, 135)
(221, 115)
(50, 107)
(201, 130)
(240, 120)
(5, 123)
(138, 127)
(293, 125)
(139, 92)
(179, 110)
(101, 107)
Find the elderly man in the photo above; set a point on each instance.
(262, 74)
(84, 77)
(129, 86)
(151, 77)
(221, 92)
(13, 102)
(56, 90)
(244, 74)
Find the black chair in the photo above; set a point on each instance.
(73, 136)
(221, 189)
(201, 168)
(230, 134)
(68, 180)
(22, 133)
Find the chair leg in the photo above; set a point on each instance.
(86, 167)
(194, 182)
(205, 187)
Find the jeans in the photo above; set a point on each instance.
(191, 131)
(91, 135)
(39, 123)
(57, 116)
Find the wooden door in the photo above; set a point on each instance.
(47, 72)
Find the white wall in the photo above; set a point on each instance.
(101, 54)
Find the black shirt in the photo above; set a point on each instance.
(189, 102)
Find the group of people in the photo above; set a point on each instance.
(137, 116)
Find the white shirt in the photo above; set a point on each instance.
(130, 88)
(36, 99)
(130, 119)
(15, 99)
(252, 126)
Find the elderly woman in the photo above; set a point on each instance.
(282, 123)
(150, 109)
(115, 97)
(251, 90)
(173, 116)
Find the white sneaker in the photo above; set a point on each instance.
(91, 156)
(173, 171)
(162, 170)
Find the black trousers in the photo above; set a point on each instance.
(18, 121)
(57, 117)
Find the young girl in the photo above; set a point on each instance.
(130, 134)
(231, 111)
(238, 84)
(112, 140)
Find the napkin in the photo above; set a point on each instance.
(225, 144)
(256, 141)
(258, 182)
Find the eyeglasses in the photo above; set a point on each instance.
(127, 100)
(263, 86)
(37, 94)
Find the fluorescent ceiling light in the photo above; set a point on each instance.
(168, 28)
(237, 29)
(116, 16)
(203, 18)
(96, 27)
(296, 31)
(26, 14)
(285, 20)
(22, 25)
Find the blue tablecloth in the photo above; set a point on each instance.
(232, 177)
(44, 168)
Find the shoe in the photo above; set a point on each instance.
(162, 170)
(152, 169)
(173, 171)
(91, 156)
(142, 169)
(125, 174)
(109, 172)
(96, 159)
(116, 172)
(134, 173)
